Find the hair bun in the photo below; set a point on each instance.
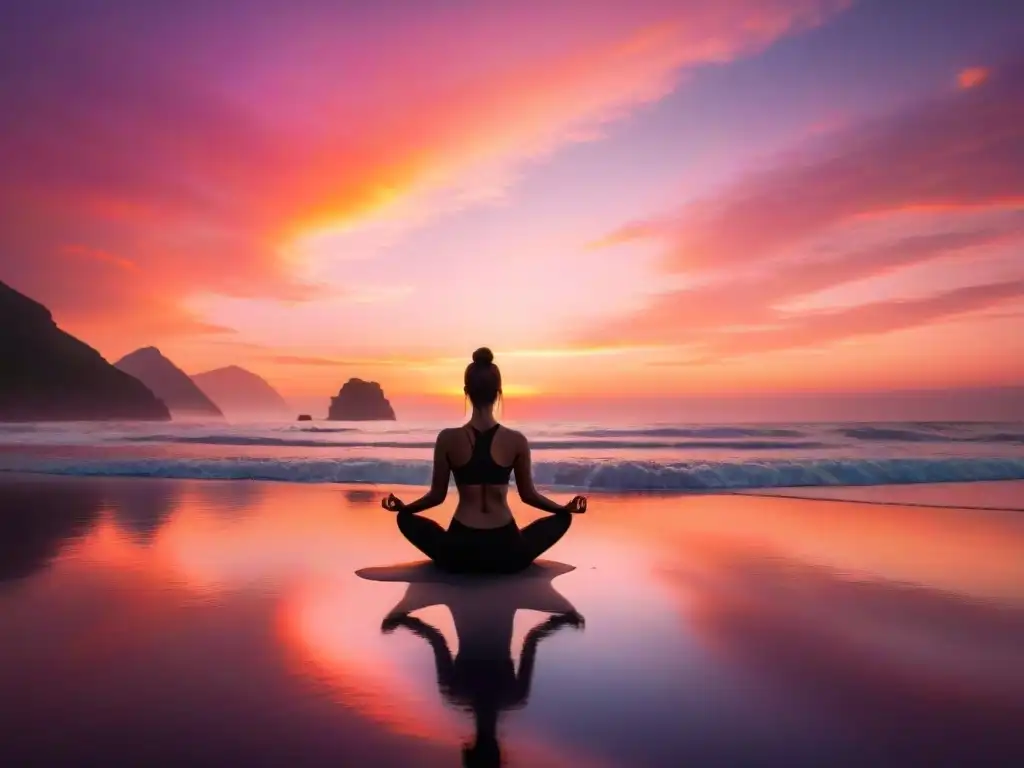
(483, 356)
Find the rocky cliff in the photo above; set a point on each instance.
(49, 375)
(361, 400)
(169, 382)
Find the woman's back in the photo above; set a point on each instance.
(481, 460)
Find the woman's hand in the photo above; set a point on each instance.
(392, 622)
(572, 619)
(392, 503)
(554, 623)
(577, 506)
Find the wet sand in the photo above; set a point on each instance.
(225, 623)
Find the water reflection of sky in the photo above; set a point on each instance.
(718, 630)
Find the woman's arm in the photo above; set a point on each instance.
(524, 483)
(438, 482)
(444, 666)
(528, 656)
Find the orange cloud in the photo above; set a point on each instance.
(329, 362)
(630, 233)
(972, 76)
(203, 179)
(98, 255)
(476, 135)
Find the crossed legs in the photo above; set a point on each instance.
(541, 535)
(427, 536)
(449, 552)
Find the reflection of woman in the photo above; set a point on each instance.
(482, 455)
(482, 677)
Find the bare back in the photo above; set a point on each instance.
(482, 505)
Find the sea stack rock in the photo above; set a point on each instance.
(305, 417)
(169, 382)
(49, 375)
(360, 400)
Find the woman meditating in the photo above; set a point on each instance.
(483, 536)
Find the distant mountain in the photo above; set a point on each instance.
(360, 400)
(49, 375)
(240, 393)
(170, 383)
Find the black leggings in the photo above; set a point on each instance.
(462, 549)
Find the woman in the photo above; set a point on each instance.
(483, 536)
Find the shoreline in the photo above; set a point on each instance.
(845, 494)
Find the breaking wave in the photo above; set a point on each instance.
(585, 475)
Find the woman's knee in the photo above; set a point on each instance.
(403, 525)
(409, 522)
(414, 529)
(559, 524)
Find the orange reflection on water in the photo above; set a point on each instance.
(285, 534)
(330, 639)
(300, 547)
(974, 553)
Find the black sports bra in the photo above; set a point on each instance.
(482, 469)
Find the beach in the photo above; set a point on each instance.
(224, 622)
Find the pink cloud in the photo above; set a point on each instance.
(818, 328)
(687, 316)
(796, 229)
(958, 151)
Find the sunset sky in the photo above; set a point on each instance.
(644, 198)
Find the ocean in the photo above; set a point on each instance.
(579, 456)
